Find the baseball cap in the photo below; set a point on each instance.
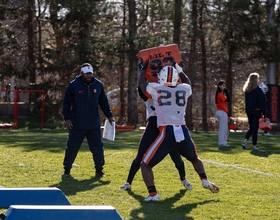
(87, 69)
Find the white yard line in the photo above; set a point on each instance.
(240, 168)
(211, 162)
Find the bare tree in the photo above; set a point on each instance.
(272, 34)
(132, 113)
(192, 58)
(203, 68)
(30, 41)
(177, 20)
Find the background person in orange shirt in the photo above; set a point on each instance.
(221, 100)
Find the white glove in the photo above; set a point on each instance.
(178, 68)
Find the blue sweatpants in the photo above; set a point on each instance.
(75, 139)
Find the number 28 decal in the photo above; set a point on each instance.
(165, 96)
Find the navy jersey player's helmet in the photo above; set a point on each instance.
(168, 76)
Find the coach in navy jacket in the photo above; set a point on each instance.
(81, 103)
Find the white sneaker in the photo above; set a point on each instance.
(187, 184)
(152, 198)
(267, 134)
(211, 186)
(125, 186)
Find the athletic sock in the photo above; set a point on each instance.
(203, 176)
(152, 190)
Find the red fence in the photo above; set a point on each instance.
(16, 100)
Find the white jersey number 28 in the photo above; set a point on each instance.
(165, 98)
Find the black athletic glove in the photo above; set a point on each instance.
(181, 64)
(142, 65)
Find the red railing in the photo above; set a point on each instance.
(16, 92)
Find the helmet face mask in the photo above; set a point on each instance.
(168, 76)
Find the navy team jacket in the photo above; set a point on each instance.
(81, 102)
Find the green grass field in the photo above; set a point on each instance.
(248, 180)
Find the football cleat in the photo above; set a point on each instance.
(152, 198)
(125, 186)
(211, 186)
(187, 184)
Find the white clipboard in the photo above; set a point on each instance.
(109, 130)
